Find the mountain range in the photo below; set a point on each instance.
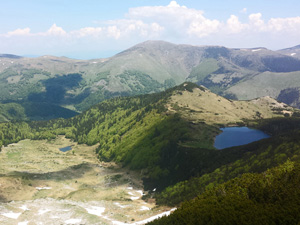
(156, 109)
(148, 67)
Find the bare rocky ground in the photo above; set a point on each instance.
(39, 184)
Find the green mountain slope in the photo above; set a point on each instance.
(32, 111)
(158, 133)
(168, 138)
(276, 85)
(149, 67)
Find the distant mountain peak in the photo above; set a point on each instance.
(10, 56)
(291, 48)
(292, 51)
(150, 44)
(155, 42)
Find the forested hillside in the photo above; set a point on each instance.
(255, 157)
(33, 111)
(152, 133)
(168, 137)
(251, 189)
(271, 197)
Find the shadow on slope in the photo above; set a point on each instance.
(56, 89)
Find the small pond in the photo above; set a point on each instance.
(65, 149)
(235, 136)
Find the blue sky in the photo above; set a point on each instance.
(93, 28)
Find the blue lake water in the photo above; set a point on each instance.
(65, 149)
(235, 136)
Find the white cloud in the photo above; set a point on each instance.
(172, 22)
(126, 28)
(88, 31)
(19, 32)
(203, 27)
(256, 23)
(113, 32)
(284, 24)
(234, 25)
(156, 27)
(173, 4)
(244, 10)
(56, 31)
(161, 12)
(175, 21)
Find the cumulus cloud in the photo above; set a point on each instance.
(284, 24)
(172, 22)
(19, 32)
(127, 28)
(234, 25)
(256, 22)
(176, 20)
(114, 32)
(203, 27)
(54, 30)
(174, 4)
(88, 32)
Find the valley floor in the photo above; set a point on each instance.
(41, 184)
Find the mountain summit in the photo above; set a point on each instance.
(293, 51)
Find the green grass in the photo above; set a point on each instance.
(205, 68)
(264, 84)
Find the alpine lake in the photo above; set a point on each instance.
(236, 136)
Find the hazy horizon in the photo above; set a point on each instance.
(108, 54)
